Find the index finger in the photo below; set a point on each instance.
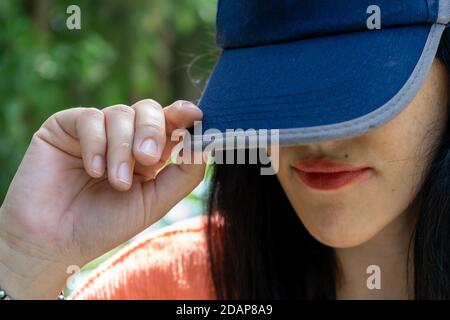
(179, 115)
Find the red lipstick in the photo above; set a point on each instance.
(325, 174)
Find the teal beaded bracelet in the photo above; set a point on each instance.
(4, 296)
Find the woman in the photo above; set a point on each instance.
(357, 210)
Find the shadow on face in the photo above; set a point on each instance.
(396, 154)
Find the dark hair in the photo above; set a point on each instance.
(432, 233)
(259, 248)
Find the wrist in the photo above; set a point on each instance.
(25, 276)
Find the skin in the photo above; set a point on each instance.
(63, 208)
(86, 185)
(370, 221)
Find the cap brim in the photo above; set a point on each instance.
(321, 88)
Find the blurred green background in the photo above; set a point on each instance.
(124, 52)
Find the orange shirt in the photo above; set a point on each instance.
(169, 263)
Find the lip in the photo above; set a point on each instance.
(325, 174)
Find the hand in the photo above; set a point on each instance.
(90, 180)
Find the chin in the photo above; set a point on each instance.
(341, 241)
(340, 234)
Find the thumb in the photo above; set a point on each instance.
(172, 184)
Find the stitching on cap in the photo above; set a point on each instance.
(224, 118)
(224, 101)
(295, 132)
(293, 94)
(293, 99)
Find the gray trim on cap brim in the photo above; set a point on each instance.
(444, 12)
(361, 125)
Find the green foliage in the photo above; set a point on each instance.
(125, 51)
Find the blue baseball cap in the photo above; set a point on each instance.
(319, 69)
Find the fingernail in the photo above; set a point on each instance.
(97, 164)
(189, 105)
(149, 147)
(124, 173)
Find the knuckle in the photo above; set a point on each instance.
(147, 103)
(154, 119)
(151, 128)
(121, 144)
(41, 133)
(98, 139)
(125, 145)
(53, 118)
(52, 124)
(120, 109)
(92, 113)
